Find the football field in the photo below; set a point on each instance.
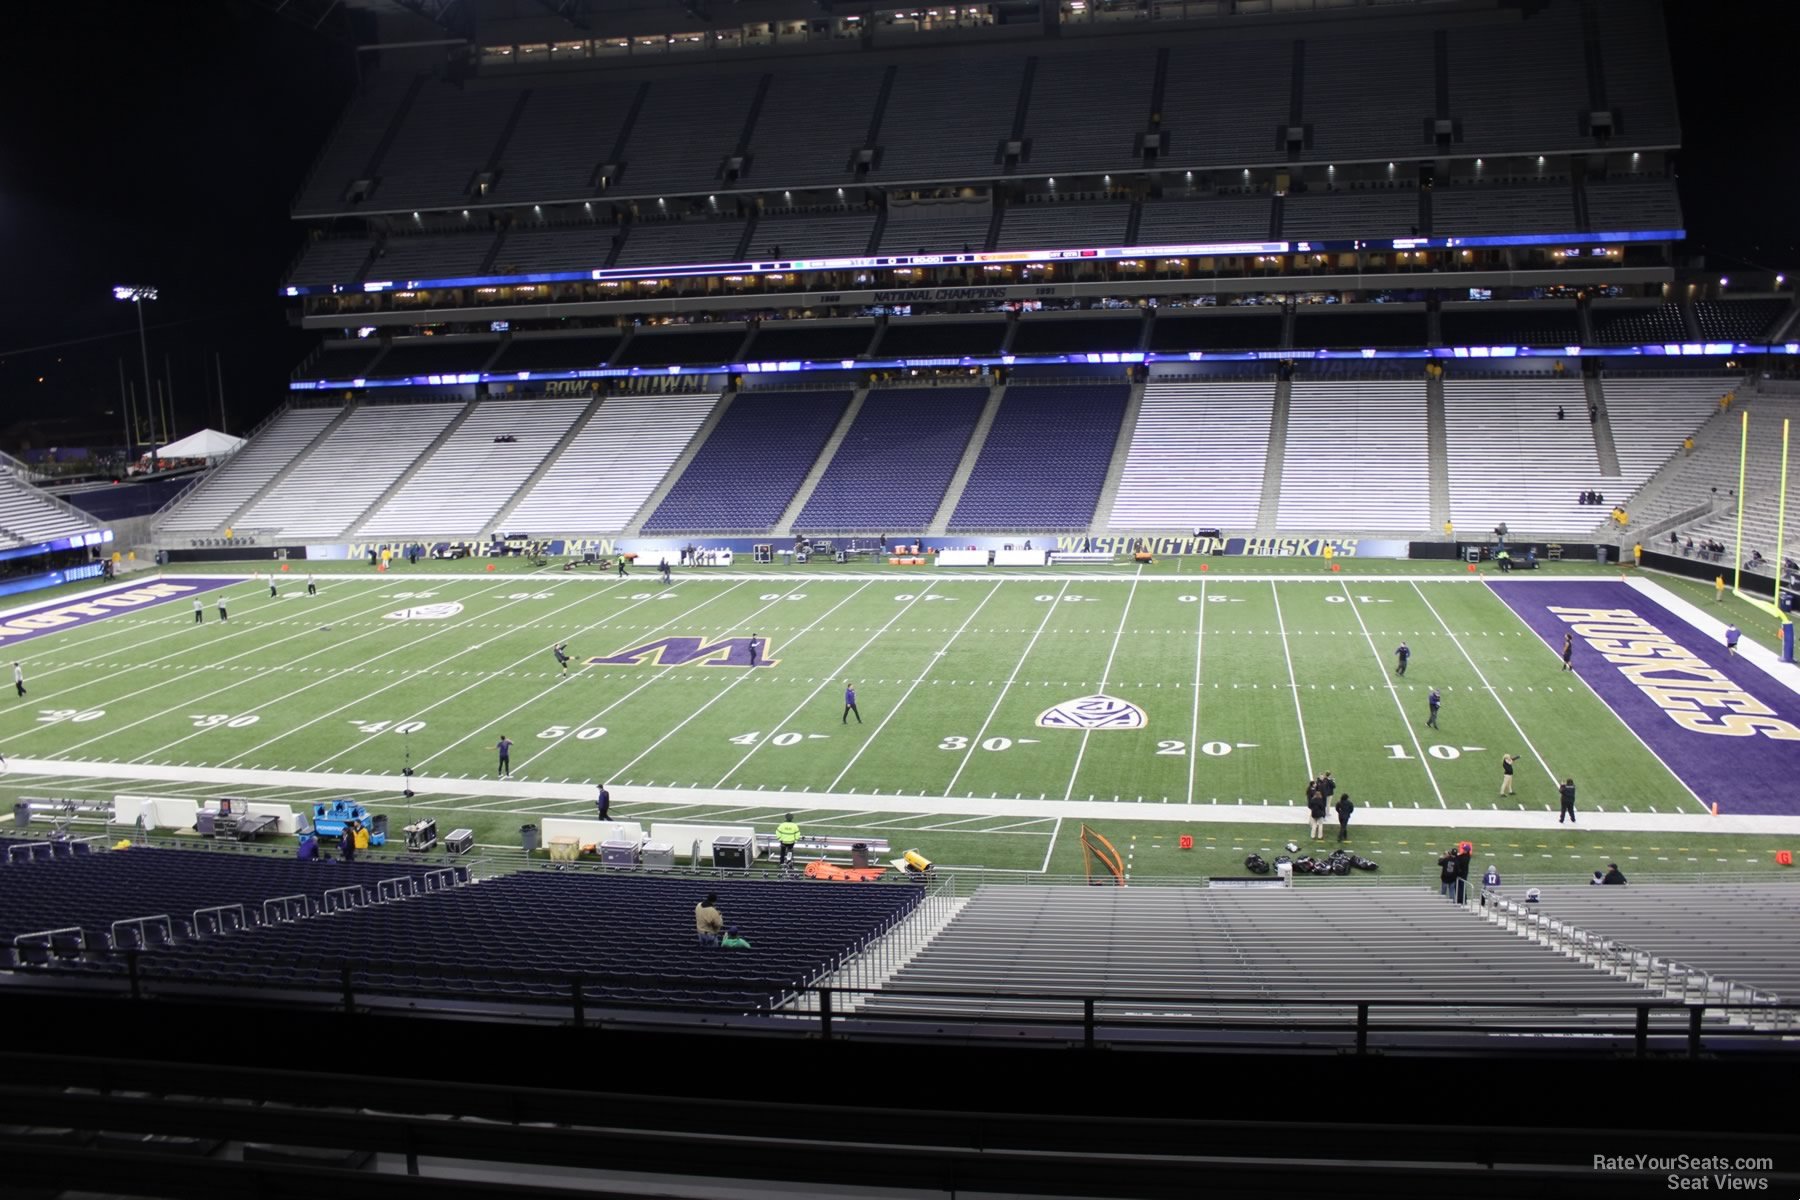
(986, 702)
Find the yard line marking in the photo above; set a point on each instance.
(827, 681)
(1054, 833)
(930, 667)
(1484, 681)
(489, 676)
(405, 676)
(133, 626)
(1049, 611)
(200, 670)
(1016, 825)
(1305, 750)
(1124, 617)
(952, 824)
(1381, 665)
(258, 676)
(1194, 735)
(659, 675)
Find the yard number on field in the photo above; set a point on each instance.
(1212, 749)
(584, 735)
(48, 716)
(1397, 752)
(214, 720)
(957, 742)
(385, 726)
(781, 739)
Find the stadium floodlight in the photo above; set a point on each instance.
(137, 294)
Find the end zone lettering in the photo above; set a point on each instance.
(28, 624)
(1673, 677)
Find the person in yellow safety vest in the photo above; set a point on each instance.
(1718, 589)
(1329, 551)
(786, 834)
(1637, 554)
(1449, 529)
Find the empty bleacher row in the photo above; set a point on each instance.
(1513, 460)
(633, 939)
(744, 475)
(413, 927)
(467, 480)
(1651, 417)
(247, 472)
(1356, 457)
(1175, 954)
(1709, 477)
(28, 516)
(415, 142)
(1737, 933)
(1197, 456)
(896, 460)
(1045, 459)
(349, 469)
(613, 463)
(84, 896)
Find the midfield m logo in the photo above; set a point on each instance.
(1094, 712)
(682, 651)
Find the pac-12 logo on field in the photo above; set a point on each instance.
(681, 651)
(426, 612)
(1094, 712)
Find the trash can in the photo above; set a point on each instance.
(1600, 555)
(22, 815)
(528, 835)
(859, 855)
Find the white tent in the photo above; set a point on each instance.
(208, 444)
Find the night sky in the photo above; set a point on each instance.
(162, 143)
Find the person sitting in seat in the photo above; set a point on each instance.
(709, 924)
(732, 941)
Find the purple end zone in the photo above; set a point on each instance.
(1726, 729)
(54, 616)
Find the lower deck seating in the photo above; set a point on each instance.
(1184, 953)
(895, 461)
(92, 892)
(1045, 459)
(1512, 460)
(752, 464)
(1197, 456)
(1356, 457)
(632, 940)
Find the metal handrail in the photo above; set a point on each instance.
(140, 924)
(350, 896)
(283, 909)
(219, 913)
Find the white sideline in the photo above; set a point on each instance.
(1292, 815)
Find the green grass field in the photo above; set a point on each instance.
(1248, 687)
